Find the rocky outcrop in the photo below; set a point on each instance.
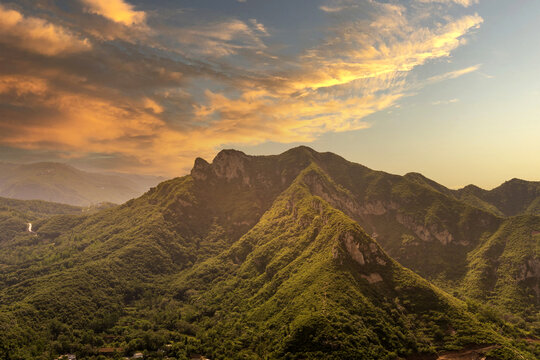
(425, 233)
(530, 272)
(201, 169)
(378, 207)
(228, 165)
(231, 164)
(353, 247)
(361, 252)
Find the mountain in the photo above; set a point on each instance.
(57, 182)
(301, 255)
(514, 197)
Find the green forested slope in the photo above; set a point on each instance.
(308, 282)
(249, 257)
(16, 214)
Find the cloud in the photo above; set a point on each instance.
(351, 57)
(454, 74)
(445, 102)
(259, 27)
(116, 10)
(220, 38)
(152, 105)
(330, 9)
(37, 35)
(72, 120)
(465, 3)
(188, 85)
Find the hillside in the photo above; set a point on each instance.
(15, 215)
(514, 197)
(56, 182)
(287, 256)
(310, 274)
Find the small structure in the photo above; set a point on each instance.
(138, 355)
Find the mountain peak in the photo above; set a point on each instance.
(302, 148)
(228, 153)
(200, 168)
(228, 164)
(515, 181)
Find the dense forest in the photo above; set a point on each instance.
(301, 255)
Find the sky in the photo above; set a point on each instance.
(448, 88)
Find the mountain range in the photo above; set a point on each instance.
(62, 183)
(302, 255)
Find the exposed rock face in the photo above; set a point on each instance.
(378, 207)
(200, 169)
(360, 252)
(429, 233)
(373, 278)
(353, 247)
(228, 164)
(342, 201)
(530, 271)
(231, 164)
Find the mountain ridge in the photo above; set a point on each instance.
(63, 183)
(163, 268)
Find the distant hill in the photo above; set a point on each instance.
(514, 197)
(61, 183)
(301, 255)
(15, 215)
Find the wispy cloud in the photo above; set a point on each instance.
(465, 3)
(331, 9)
(445, 102)
(454, 74)
(221, 38)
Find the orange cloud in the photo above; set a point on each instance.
(116, 10)
(377, 57)
(162, 112)
(81, 121)
(37, 35)
(22, 85)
